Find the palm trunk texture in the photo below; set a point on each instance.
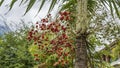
(81, 27)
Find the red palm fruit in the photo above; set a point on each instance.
(72, 48)
(39, 41)
(62, 60)
(49, 15)
(56, 29)
(63, 28)
(46, 44)
(59, 61)
(64, 36)
(46, 20)
(35, 43)
(42, 47)
(61, 42)
(53, 23)
(63, 63)
(48, 26)
(36, 55)
(60, 48)
(62, 17)
(50, 51)
(36, 31)
(67, 18)
(42, 36)
(36, 22)
(59, 24)
(67, 24)
(52, 42)
(65, 13)
(43, 20)
(61, 13)
(43, 26)
(35, 38)
(56, 63)
(33, 33)
(29, 38)
(60, 38)
(46, 39)
(36, 59)
(32, 30)
(59, 53)
(68, 12)
(52, 29)
(66, 61)
(66, 53)
(36, 26)
(30, 33)
(39, 47)
(42, 29)
(54, 48)
(67, 45)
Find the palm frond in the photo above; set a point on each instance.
(1, 2)
(41, 5)
(52, 5)
(21, 2)
(107, 3)
(31, 3)
(12, 3)
(113, 5)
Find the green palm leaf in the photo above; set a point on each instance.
(1, 2)
(115, 6)
(21, 2)
(111, 8)
(41, 5)
(112, 4)
(12, 3)
(52, 5)
(31, 3)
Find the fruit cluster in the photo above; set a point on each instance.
(53, 37)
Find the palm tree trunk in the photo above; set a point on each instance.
(81, 27)
(81, 52)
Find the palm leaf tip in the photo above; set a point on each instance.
(21, 2)
(31, 3)
(41, 5)
(12, 3)
(52, 5)
(1, 2)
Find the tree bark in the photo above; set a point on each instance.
(81, 27)
(81, 52)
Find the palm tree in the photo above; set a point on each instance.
(83, 7)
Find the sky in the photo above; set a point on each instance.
(15, 15)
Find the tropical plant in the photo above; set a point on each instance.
(14, 50)
(84, 14)
(52, 38)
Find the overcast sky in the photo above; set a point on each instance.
(17, 12)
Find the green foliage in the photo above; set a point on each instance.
(52, 5)
(12, 3)
(115, 52)
(14, 51)
(113, 4)
(41, 5)
(31, 3)
(1, 2)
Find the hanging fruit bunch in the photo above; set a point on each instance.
(53, 36)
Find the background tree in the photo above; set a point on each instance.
(14, 50)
